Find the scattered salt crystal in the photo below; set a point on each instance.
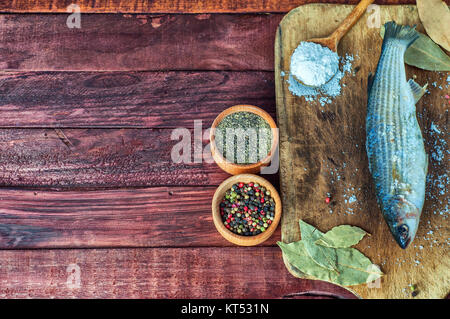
(301, 90)
(352, 199)
(347, 66)
(438, 179)
(434, 128)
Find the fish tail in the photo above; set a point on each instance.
(403, 34)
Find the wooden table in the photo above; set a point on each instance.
(91, 204)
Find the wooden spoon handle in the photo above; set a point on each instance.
(351, 19)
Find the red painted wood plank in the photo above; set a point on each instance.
(128, 99)
(149, 217)
(86, 158)
(186, 6)
(153, 273)
(100, 158)
(138, 42)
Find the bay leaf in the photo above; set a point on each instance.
(297, 256)
(342, 236)
(323, 256)
(435, 17)
(425, 54)
(354, 268)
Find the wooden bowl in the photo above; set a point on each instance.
(230, 167)
(228, 234)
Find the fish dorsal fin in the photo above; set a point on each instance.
(370, 81)
(417, 90)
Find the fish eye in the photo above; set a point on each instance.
(403, 230)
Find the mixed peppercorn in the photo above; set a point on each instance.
(247, 209)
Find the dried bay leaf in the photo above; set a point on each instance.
(297, 256)
(342, 236)
(435, 17)
(323, 256)
(353, 267)
(425, 54)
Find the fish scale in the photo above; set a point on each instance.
(394, 143)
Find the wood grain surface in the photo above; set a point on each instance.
(168, 6)
(147, 217)
(87, 151)
(117, 42)
(128, 99)
(154, 273)
(92, 158)
(322, 151)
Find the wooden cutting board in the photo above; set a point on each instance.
(322, 150)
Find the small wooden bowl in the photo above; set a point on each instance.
(230, 167)
(228, 234)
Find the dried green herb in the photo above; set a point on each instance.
(323, 256)
(353, 268)
(244, 137)
(341, 237)
(425, 54)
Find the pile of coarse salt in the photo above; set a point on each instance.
(314, 64)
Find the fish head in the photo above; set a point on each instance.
(403, 220)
